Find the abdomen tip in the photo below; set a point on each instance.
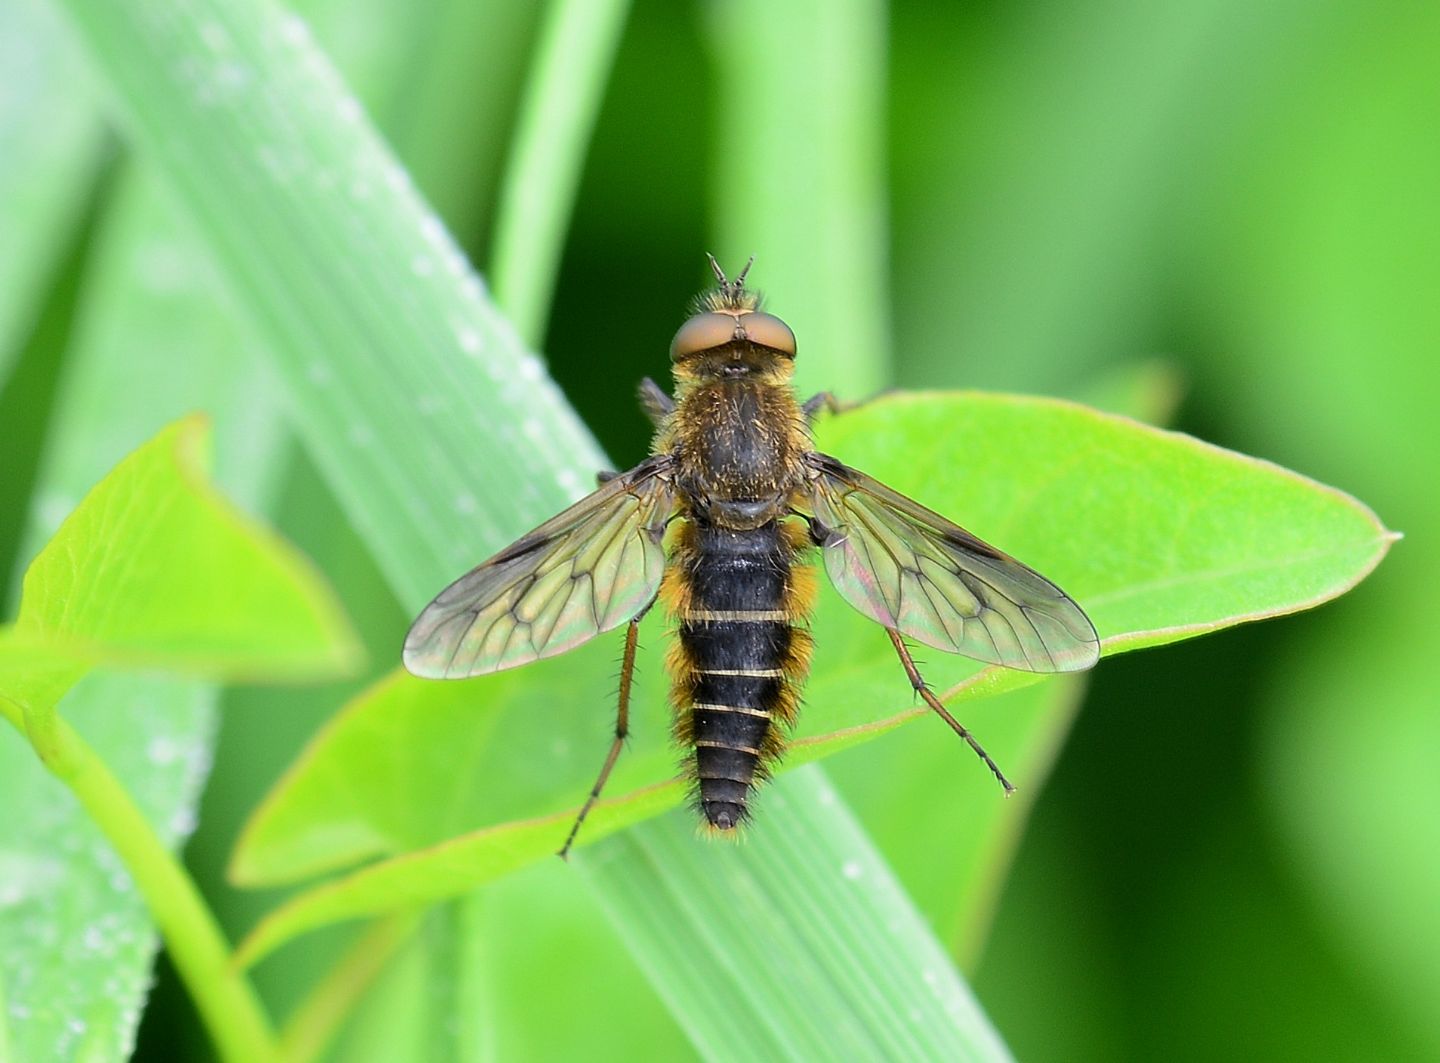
(723, 815)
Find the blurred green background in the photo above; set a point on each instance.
(1237, 855)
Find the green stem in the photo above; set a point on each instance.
(562, 97)
(226, 1001)
(799, 177)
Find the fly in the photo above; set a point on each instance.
(734, 468)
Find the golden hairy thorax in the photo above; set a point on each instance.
(739, 441)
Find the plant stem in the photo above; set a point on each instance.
(562, 97)
(225, 999)
(799, 177)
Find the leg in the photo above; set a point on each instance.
(815, 403)
(622, 728)
(925, 692)
(656, 404)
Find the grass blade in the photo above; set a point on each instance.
(406, 385)
(799, 165)
(576, 49)
(802, 923)
(51, 145)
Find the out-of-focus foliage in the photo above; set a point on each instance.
(1235, 854)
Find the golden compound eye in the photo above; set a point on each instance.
(702, 333)
(766, 330)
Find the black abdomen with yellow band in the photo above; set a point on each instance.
(740, 600)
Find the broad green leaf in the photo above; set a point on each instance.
(1158, 535)
(907, 792)
(155, 569)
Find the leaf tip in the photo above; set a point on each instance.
(190, 438)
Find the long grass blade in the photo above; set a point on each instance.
(407, 387)
(799, 943)
(562, 98)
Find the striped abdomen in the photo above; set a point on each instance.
(739, 600)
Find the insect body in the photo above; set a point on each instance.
(734, 469)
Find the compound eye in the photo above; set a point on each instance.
(767, 330)
(702, 332)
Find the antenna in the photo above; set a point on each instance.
(729, 286)
(719, 273)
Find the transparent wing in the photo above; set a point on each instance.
(914, 571)
(587, 570)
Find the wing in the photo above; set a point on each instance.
(914, 571)
(587, 570)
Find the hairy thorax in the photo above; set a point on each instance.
(739, 446)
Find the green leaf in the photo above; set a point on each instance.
(155, 569)
(905, 788)
(1158, 535)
